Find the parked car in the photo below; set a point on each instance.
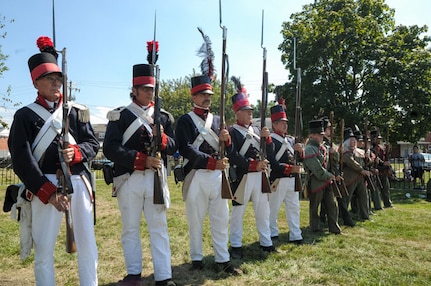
(427, 163)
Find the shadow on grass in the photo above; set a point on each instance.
(183, 274)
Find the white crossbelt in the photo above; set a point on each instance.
(143, 117)
(251, 138)
(205, 132)
(50, 129)
(285, 145)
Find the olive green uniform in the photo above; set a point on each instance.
(318, 181)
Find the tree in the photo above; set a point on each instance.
(356, 63)
(4, 95)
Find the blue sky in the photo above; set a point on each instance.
(104, 39)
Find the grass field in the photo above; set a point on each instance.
(392, 249)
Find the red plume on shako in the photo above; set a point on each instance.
(45, 45)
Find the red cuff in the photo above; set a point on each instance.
(287, 169)
(140, 161)
(211, 163)
(252, 165)
(77, 158)
(164, 141)
(228, 142)
(268, 140)
(46, 191)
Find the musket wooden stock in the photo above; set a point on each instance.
(63, 175)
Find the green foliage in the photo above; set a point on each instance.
(4, 95)
(357, 63)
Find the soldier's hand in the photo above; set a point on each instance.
(155, 130)
(59, 201)
(224, 135)
(296, 169)
(68, 154)
(265, 133)
(262, 165)
(222, 164)
(366, 173)
(387, 163)
(339, 178)
(376, 171)
(298, 147)
(153, 163)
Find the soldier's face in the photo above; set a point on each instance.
(202, 100)
(143, 94)
(352, 142)
(244, 116)
(49, 86)
(280, 127)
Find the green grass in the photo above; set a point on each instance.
(393, 249)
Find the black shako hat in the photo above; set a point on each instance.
(42, 64)
(201, 84)
(375, 133)
(143, 74)
(278, 113)
(326, 123)
(316, 127)
(348, 132)
(358, 133)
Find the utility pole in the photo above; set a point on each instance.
(71, 88)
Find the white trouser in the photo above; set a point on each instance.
(285, 193)
(134, 196)
(253, 192)
(204, 195)
(46, 222)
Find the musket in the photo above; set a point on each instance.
(226, 191)
(64, 184)
(266, 187)
(341, 184)
(367, 151)
(298, 183)
(152, 47)
(334, 185)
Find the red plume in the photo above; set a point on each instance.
(150, 47)
(45, 45)
(44, 42)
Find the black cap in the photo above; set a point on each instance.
(201, 84)
(316, 127)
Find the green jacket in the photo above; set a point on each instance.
(351, 167)
(315, 162)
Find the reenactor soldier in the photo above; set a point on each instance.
(354, 174)
(319, 179)
(333, 167)
(247, 177)
(282, 177)
(382, 164)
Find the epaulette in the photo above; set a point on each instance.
(171, 117)
(83, 112)
(114, 114)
